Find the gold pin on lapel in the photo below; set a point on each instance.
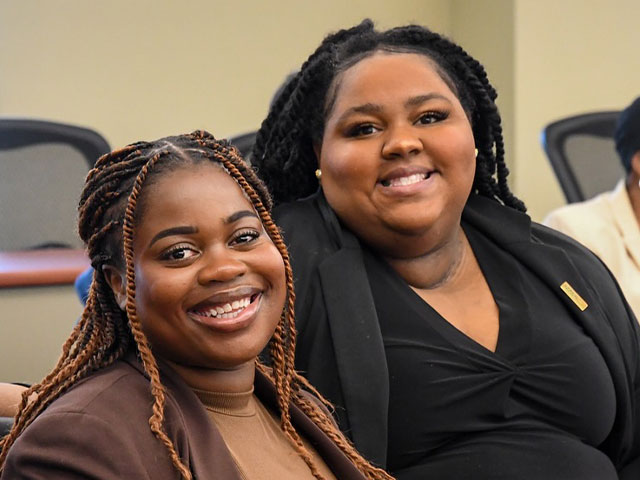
(573, 295)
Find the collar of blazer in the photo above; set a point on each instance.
(358, 346)
(203, 448)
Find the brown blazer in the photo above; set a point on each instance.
(99, 429)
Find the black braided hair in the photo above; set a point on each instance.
(283, 153)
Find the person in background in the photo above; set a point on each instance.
(609, 224)
(456, 338)
(160, 377)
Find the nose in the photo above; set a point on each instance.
(221, 265)
(401, 142)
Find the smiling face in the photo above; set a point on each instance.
(397, 155)
(210, 284)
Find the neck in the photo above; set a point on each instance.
(633, 189)
(232, 380)
(435, 268)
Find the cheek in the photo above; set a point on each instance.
(348, 176)
(346, 162)
(275, 273)
(457, 150)
(162, 292)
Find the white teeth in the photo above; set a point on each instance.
(410, 180)
(228, 310)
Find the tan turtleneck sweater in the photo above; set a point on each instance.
(253, 435)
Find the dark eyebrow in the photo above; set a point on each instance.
(366, 108)
(371, 108)
(420, 99)
(234, 217)
(173, 231)
(187, 230)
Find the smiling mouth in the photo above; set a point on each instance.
(225, 310)
(404, 181)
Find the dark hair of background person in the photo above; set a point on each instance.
(283, 154)
(627, 133)
(111, 205)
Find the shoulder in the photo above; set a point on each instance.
(300, 219)
(102, 392)
(603, 283)
(97, 429)
(582, 257)
(310, 230)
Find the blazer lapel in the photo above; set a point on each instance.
(359, 350)
(208, 455)
(357, 341)
(511, 230)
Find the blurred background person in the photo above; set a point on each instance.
(609, 223)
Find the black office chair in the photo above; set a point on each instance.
(43, 166)
(582, 153)
(244, 143)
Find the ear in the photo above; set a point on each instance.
(117, 281)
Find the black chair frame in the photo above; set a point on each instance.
(20, 132)
(554, 136)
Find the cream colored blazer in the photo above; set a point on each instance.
(607, 226)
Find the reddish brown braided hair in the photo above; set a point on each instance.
(110, 208)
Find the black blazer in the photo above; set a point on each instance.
(340, 346)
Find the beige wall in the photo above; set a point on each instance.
(571, 56)
(147, 68)
(153, 67)
(485, 30)
(550, 59)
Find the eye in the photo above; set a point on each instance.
(178, 253)
(244, 237)
(361, 130)
(432, 117)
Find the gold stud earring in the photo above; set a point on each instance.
(318, 174)
(476, 153)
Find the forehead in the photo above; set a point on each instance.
(192, 192)
(389, 75)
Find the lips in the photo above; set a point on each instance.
(228, 311)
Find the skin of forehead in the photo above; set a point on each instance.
(336, 84)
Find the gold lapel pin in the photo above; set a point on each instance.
(574, 296)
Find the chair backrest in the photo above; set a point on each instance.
(582, 153)
(43, 166)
